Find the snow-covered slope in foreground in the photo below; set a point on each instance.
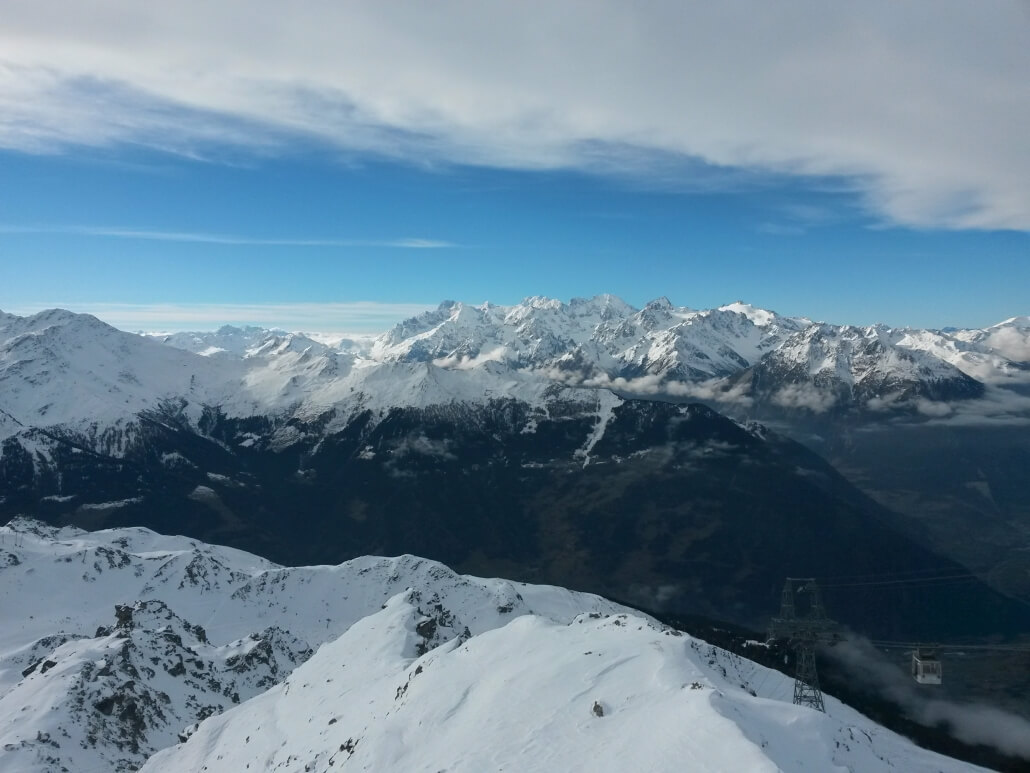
(88, 687)
(418, 669)
(599, 693)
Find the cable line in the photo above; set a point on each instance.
(878, 575)
(939, 646)
(914, 581)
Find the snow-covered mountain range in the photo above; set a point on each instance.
(72, 373)
(120, 644)
(217, 432)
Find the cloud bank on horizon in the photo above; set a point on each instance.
(922, 107)
(361, 318)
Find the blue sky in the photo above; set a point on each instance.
(354, 197)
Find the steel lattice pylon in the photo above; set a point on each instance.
(803, 630)
(806, 679)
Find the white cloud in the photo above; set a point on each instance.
(116, 232)
(804, 396)
(1011, 342)
(887, 402)
(924, 105)
(650, 385)
(424, 446)
(464, 362)
(334, 320)
(933, 408)
(998, 407)
(973, 723)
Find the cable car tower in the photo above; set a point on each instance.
(803, 623)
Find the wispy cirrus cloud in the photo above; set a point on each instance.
(198, 237)
(356, 317)
(797, 219)
(780, 229)
(923, 107)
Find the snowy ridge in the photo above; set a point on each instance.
(1009, 339)
(600, 693)
(76, 377)
(74, 371)
(238, 341)
(109, 699)
(116, 642)
(604, 333)
(417, 668)
(823, 365)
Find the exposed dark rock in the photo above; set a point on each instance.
(674, 504)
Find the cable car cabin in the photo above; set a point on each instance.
(926, 667)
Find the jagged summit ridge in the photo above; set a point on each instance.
(72, 373)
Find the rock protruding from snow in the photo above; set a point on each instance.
(109, 701)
